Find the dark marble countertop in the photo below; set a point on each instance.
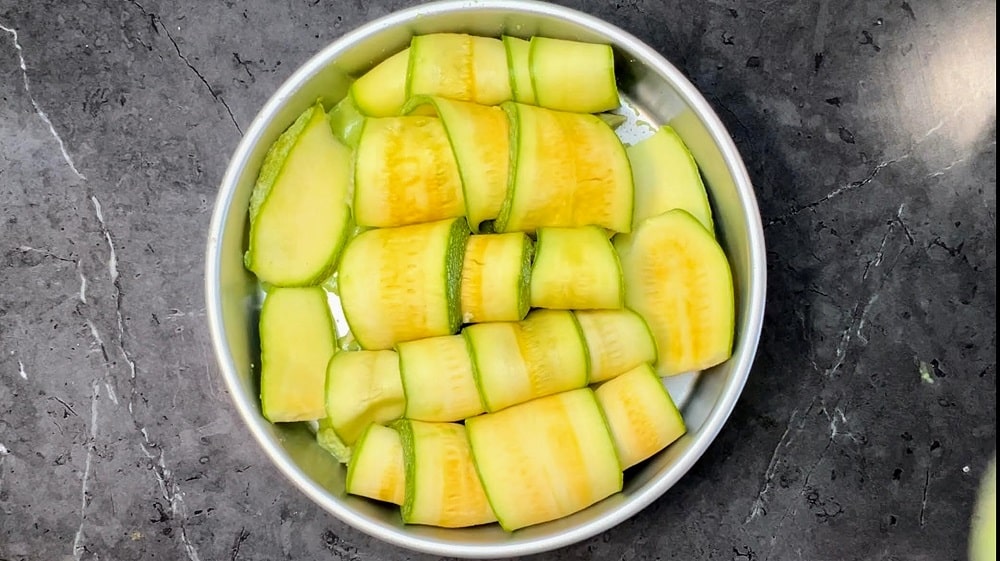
(869, 129)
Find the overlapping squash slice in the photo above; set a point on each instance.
(296, 342)
(405, 173)
(573, 76)
(362, 387)
(545, 459)
(458, 66)
(438, 379)
(496, 277)
(575, 269)
(666, 177)
(641, 415)
(299, 213)
(568, 170)
(376, 469)
(479, 139)
(381, 92)
(617, 341)
(678, 279)
(402, 284)
(442, 486)
(519, 361)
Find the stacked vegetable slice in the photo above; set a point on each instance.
(515, 281)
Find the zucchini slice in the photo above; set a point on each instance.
(346, 121)
(437, 379)
(520, 361)
(403, 284)
(376, 469)
(405, 173)
(545, 459)
(573, 76)
(678, 279)
(442, 487)
(666, 177)
(518, 52)
(617, 341)
(458, 66)
(642, 416)
(299, 213)
(296, 342)
(329, 440)
(480, 141)
(568, 170)
(576, 269)
(496, 277)
(362, 387)
(381, 92)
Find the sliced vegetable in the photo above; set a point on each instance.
(666, 177)
(438, 379)
(573, 76)
(442, 487)
(402, 284)
(545, 459)
(346, 120)
(376, 470)
(458, 66)
(517, 362)
(642, 416)
(678, 279)
(299, 216)
(575, 269)
(405, 173)
(568, 170)
(381, 92)
(495, 277)
(296, 342)
(518, 52)
(329, 440)
(479, 140)
(617, 341)
(362, 387)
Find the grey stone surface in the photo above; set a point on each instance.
(869, 129)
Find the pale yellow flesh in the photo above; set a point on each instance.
(490, 67)
(480, 141)
(642, 416)
(518, 67)
(545, 459)
(617, 341)
(570, 170)
(393, 285)
(446, 490)
(575, 269)
(678, 279)
(376, 470)
(297, 340)
(301, 224)
(573, 76)
(363, 387)
(666, 177)
(438, 379)
(381, 92)
(492, 275)
(405, 173)
(460, 67)
(516, 362)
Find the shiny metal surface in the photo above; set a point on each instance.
(660, 94)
